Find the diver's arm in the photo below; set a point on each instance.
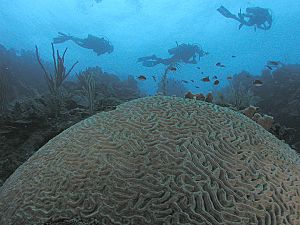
(262, 26)
(268, 24)
(192, 61)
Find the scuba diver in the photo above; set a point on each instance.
(185, 53)
(98, 45)
(260, 18)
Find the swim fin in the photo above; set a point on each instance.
(61, 38)
(151, 57)
(226, 13)
(241, 25)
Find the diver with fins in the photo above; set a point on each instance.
(98, 45)
(258, 17)
(185, 53)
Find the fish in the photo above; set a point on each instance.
(215, 77)
(273, 63)
(197, 87)
(142, 77)
(257, 83)
(269, 67)
(229, 78)
(205, 79)
(198, 67)
(154, 78)
(233, 56)
(220, 64)
(216, 82)
(173, 68)
(193, 81)
(184, 81)
(202, 72)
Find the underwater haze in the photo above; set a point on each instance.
(150, 112)
(138, 28)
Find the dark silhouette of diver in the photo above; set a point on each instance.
(260, 18)
(98, 45)
(185, 53)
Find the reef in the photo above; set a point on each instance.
(278, 97)
(252, 112)
(158, 160)
(31, 113)
(200, 96)
(264, 120)
(172, 87)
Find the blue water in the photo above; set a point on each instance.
(139, 28)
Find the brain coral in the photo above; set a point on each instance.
(158, 160)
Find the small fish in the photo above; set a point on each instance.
(205, 79)
(193, 81)
(220, 64)
(198, 67)
(184, 81)
(273, 63)
(202, 72)
(257, 83)
(154, 78)
(142, 77)
(229, 78)
(197, 87)
(269, 67)
(216, 82)
(233, 56)
(215, 77)
(173, 68)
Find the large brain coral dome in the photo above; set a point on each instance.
(158, 160)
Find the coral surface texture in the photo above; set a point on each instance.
(158, 160)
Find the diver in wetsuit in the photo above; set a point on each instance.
(98, 45)
(185, 53)
(260, 18)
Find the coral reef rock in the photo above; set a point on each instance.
(209, 98)
(200, 97)
(265, 121)
(249, 111)
(158, 160)
(189, 95)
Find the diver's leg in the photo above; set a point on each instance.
(146, 58)
(79, 42)
(61, 38)
(150, 63)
